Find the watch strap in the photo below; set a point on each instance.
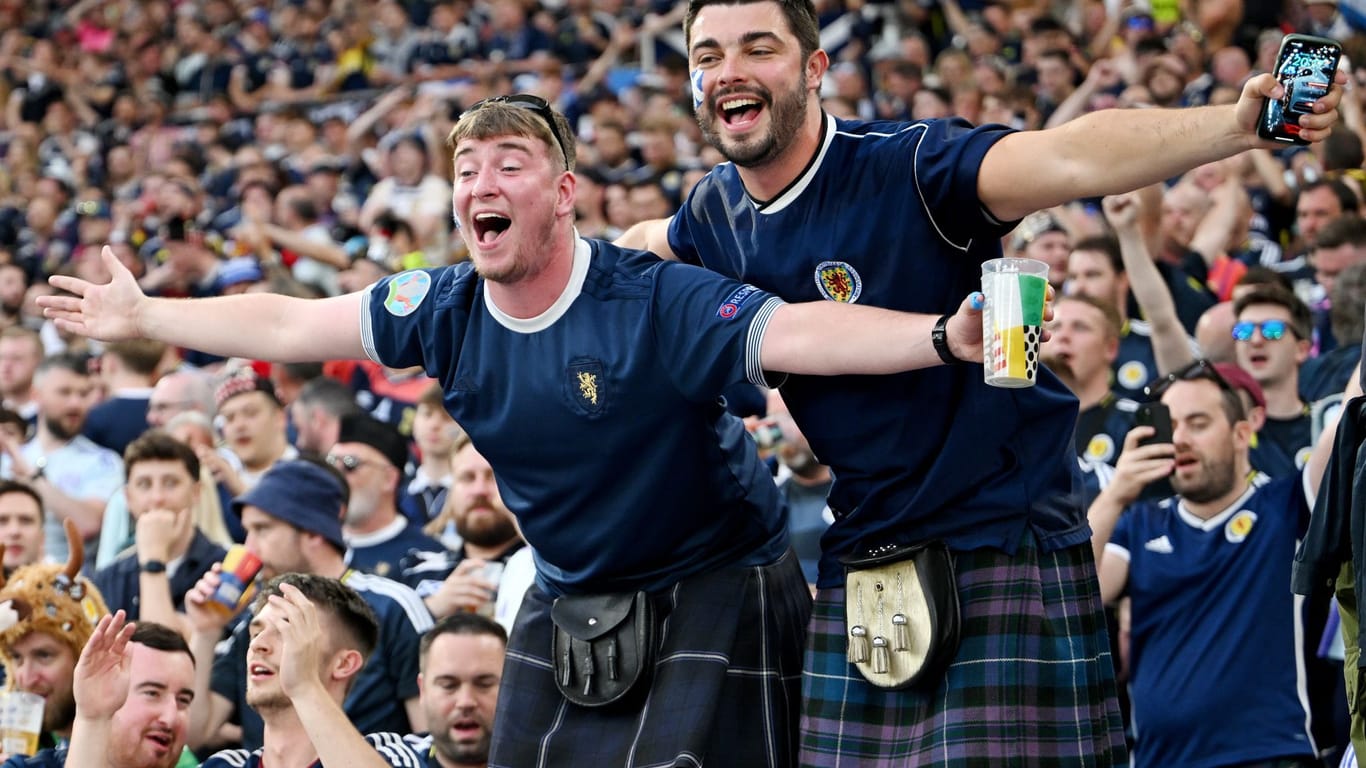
(939, 336)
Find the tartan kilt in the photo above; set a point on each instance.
(726, 688)
(1032, 683)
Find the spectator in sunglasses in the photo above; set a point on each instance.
(1271, 334)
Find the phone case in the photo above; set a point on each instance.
(1305, 67)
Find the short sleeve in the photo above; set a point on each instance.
(946, 162)
(709, 329)
(405, 318)
(395, 750)
(1123, 534)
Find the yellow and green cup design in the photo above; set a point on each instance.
(1012, 320)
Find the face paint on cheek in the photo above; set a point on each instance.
(696, 77)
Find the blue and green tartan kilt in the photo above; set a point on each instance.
(1032, 683)
(726, 688)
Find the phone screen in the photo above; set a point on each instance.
(1305, 67)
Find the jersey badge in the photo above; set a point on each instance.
(1239, 526)
(731, 306)
(838, 281)
(406, 292)
(1302, 456)
(586, 386)
(1101, 447)
(1132, 375)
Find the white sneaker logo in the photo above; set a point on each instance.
(1160, 544)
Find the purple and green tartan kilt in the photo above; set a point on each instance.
(726, 689)
(1032, 684)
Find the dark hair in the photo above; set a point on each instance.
(1105, 244)
(1260, 275)
(1301, 320)
(1347, 199)
(800, 15)
(155, 445)
(142, 356)
(460, 623)
(392, 224)
(433, 396)
(14, 486)
(1113, 324)
(160, 637)
(1348, 229)
(72, 363)
(1342, 150)
(302, 371)
(14, 417)
(330, 596)
(1349, 293)
(332, 396)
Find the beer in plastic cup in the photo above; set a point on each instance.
(1012, 320)
(21, 720)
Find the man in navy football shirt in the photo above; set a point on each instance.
(901, 215)
(590, 376)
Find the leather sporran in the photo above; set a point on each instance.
(901, 614)
(604, 646)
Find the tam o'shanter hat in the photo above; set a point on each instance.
(52, 598)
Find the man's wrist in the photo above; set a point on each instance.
(939, 337)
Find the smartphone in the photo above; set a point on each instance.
(1157, 416)
(1305, 67)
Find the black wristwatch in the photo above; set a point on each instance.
(152, 566)
(940, 338)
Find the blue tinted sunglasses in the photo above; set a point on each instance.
(1272, 330)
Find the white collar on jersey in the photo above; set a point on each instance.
(1213, 523)
(583, 253)
(797, 187)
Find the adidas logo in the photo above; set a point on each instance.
(1161, 544)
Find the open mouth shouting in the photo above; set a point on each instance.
(489, 227)
(739, 112)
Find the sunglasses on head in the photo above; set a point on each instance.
(1200, 369)
(529, 102)
(1272, 330)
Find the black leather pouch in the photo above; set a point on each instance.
(604, 646)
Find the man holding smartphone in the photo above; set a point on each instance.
(1208, 569)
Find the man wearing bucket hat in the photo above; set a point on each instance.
(293, 522)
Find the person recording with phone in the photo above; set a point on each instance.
(1207, 569)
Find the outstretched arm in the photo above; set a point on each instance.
(258, 325)
(1114, 151)
(870, 340)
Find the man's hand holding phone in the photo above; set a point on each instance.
(1144, 460)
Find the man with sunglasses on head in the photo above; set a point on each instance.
(590, 377)
(1214, 627)
(1271, 335)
